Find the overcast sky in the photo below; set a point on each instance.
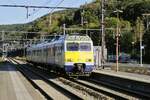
(18, 15)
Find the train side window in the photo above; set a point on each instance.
(62, 48)
(45, 52)
(46, 49)
(49, 51)
(59, 49)
(54, 50)
(33, 53)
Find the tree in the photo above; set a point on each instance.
(146, 39)
(138, 30)
(135, 10)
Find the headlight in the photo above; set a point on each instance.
(69, 60)
(88, 60)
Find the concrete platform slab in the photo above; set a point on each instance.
(13, 86)
(131, 76)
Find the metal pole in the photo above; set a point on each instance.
(117, 40)
(50, 19)
(141, 59)
(141, 56)
(147, 23)
(3, 43)
(64, 29)
(82, 14)
(27, 12)
(86, 28)
(103, 35)
(2, 35)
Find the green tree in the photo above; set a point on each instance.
(135, 10)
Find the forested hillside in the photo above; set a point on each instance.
(131, 22)
(14, 27)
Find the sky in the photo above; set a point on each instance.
(18, 15)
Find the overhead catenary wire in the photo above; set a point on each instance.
(57, 5)
(35, 11)
(50, 17)
(46, 7)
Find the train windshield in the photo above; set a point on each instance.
(78, 46)
(85, 47)
(72, 46)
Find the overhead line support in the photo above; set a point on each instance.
(46, 7)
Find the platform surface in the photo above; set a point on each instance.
(125, 75)
(13, 86)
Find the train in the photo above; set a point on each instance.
(72, 54)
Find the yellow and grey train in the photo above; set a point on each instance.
(72, 54)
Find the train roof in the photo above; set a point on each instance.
(77, 38)
(60, 39)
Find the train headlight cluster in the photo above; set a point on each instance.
(88, 60)
(69, 60)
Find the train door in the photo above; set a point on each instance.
(58, 54)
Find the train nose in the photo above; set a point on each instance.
(79, 67)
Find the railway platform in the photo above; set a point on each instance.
(130, 82)
(14, 86)
(124, 75)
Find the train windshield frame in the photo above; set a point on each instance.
(82, 46)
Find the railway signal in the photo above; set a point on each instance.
(117, 38)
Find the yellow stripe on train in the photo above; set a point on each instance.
(79, 57)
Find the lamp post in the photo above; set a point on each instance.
(141, 46)
(117, 38)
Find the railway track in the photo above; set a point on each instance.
(132, 93)
(104, 89)
(93, 87)
(109, 90)
(125, 86)
(46, 87)
(80, 90)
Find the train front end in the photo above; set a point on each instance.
(79, 59)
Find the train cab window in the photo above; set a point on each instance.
(72, 46)
(85, 47)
